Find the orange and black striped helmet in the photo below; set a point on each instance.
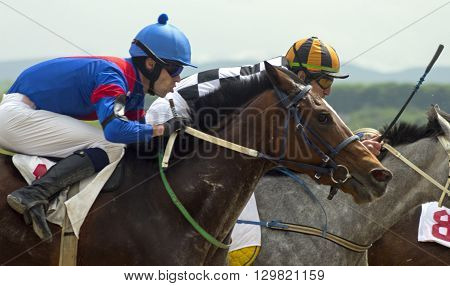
(315, 56)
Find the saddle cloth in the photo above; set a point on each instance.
(78, 206)
(434, 224)
(245, 235)
(245, 238)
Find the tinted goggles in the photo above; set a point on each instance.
(173, 68)
(323, 80)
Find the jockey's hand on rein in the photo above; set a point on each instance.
(373, 145)
(175, 124)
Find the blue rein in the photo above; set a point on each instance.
(277, 224)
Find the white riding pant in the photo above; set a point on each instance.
(25, 130)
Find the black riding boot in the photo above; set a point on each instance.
(32, 201)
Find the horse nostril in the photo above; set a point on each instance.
(381, 175)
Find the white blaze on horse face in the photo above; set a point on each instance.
(337, 116)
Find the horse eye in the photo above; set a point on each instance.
(324, 118)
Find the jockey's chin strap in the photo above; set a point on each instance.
(153, 74)
(445, 190)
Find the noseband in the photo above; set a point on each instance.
(328, 165)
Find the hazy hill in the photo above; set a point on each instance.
(10, 70)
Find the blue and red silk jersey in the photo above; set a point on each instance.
(85, 88)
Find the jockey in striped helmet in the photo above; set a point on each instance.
(316, 62)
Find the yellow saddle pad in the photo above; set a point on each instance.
(244, 256)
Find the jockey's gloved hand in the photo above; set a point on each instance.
(175, 124)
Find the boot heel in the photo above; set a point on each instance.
(16, 204)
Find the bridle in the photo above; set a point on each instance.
(328, 164)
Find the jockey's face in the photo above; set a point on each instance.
(316, 88)
(165, 82)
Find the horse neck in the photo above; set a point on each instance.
(407, 188)
(239, 173)
(252, 127)
(218, 182)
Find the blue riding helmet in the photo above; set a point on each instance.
(166, 41)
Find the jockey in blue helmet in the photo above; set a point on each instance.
(41, 112)
(161, 61)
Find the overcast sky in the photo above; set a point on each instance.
(233, 29)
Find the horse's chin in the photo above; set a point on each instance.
(360, 193)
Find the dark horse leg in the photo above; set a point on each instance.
(18, 243)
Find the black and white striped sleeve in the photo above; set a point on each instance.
(206, 82)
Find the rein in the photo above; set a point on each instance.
(309, 230)
(445, 190)
(185, 213)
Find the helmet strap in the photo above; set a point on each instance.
(152, 75)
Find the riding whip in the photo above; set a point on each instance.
(430, 65)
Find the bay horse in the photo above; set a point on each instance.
(139, 225)
(278, 197)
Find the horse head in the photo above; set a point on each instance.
(303, 133)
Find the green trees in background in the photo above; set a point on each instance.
(375, 105)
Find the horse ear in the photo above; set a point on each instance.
(279, 78)
(442, 118)
(271, 73)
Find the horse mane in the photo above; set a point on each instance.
(209, 109)
(406, 133)
(234, 93)
(212, 109)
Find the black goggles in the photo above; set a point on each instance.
(173, 68)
